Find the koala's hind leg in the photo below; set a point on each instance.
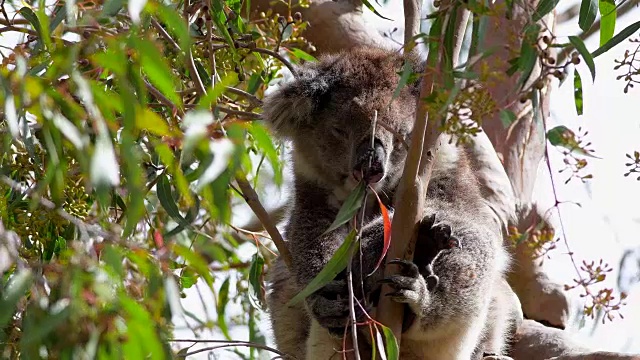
(290, 324)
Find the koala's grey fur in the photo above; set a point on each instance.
(326, 113)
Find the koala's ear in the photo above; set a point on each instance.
(291, 107)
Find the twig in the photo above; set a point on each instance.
(84, 228)
(225, 344)
(165, 34)
(412, 11)
(284, 61)
(253, 100)
(193, 71)
(163, 99)
(251, 197)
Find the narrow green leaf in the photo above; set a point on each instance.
(622, 35)
(264, 142)
(155, 67)
(196, 261)
(588, 12)
(577, 91)
(404, 79)
(256, 297)
(586, 55)
(379, 345)
(507, 117)
(167, 201)
(221, 305)
(608, 16)
(220, 19)
(393, 352)
(148, 120)
(300, 54)
(13, 292)
(138, 321)
(212, 96)
(544, 7)
(175, 23)
(349, 208)
(336, 264)
(373, 10)
(528, 53)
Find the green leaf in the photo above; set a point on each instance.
(139, 327)
(220, 19)
(448, 43)
(264, 142)
(221, 305)
(300, 54)
(18, 285)
(608, 16)
(588, 12)
(507, 117)
(404, 79)
(557, 136)
(336, 264)
(175, 23)
(528, 53)
(350, 207)
(370, 7)
(255, 281)
(544, 7)
(155, 67)
(35, 334)
(628, 31)
(393, 352)
(212, 96)
(167, 201)
(148, 120)
(582, 49)
(196, 261)
(577, 91)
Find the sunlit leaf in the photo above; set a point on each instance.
(301, 54)
(373, 9)
(336, 264)
(196, 261)
(608, 16)
(156, 68)
(265, 143)
(621, 36)
(393, 351)
(150, 121)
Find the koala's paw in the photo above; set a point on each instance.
(439, 233)
(330, 307)
(410, 287)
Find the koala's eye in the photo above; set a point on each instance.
(339, 132)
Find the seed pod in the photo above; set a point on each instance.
(281, 19)
(297, 16)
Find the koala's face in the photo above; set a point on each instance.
(329, 112)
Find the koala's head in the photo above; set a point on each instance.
(328, 114)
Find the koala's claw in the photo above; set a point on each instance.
(407, 268)
(410, 290)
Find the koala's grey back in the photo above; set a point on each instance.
(339, 93)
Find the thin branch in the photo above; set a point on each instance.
(253, 100)
(412, 11)
(165, 34)
(160, 96)
(284, 61)
(251, 197)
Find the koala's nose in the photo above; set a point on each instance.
(369, 161)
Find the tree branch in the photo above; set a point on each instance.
(251, 197)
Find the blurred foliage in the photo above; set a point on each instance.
(123, 128)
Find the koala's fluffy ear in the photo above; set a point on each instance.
(291, 106)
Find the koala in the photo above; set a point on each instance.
(458, 305)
